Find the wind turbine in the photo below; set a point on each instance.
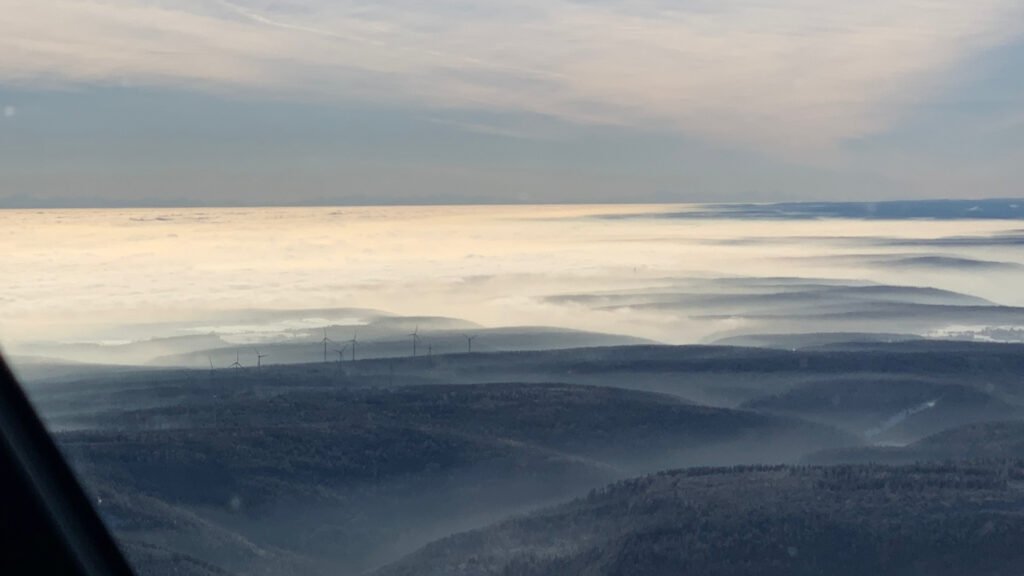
(353, 342)
(341, 353)
(324, 342)
(210, 358)
(415, 339)
(469, 342)
(236, 364)
(259, 359)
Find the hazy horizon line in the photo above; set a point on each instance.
(29, 203)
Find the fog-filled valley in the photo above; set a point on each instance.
(512, 288)
(532, 391)
(133, 285)
(346, 467)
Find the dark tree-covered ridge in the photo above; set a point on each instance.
(935, 519)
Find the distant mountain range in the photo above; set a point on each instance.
(938, 209)
(983, 209)
(378, 335)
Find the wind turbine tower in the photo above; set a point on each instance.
(324, 342)
(259, 359)
(236, 363)
(415, 340)
(469, 343)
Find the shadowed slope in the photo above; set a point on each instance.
(921, 520)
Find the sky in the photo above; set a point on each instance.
(298, 102)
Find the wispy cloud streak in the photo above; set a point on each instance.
(788, 76)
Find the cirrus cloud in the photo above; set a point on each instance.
(785, 76)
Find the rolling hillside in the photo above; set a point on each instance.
(355, 476)
(935, 520)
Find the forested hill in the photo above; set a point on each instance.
(340, 468)
(989, 440)
(935, 520)
(271, 478)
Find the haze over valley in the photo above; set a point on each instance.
(522, 288)
(533, 391)
(170, 286)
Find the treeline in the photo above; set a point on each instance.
(941, 519)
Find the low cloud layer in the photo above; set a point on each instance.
(123, 275)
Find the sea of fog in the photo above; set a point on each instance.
(673, 274)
